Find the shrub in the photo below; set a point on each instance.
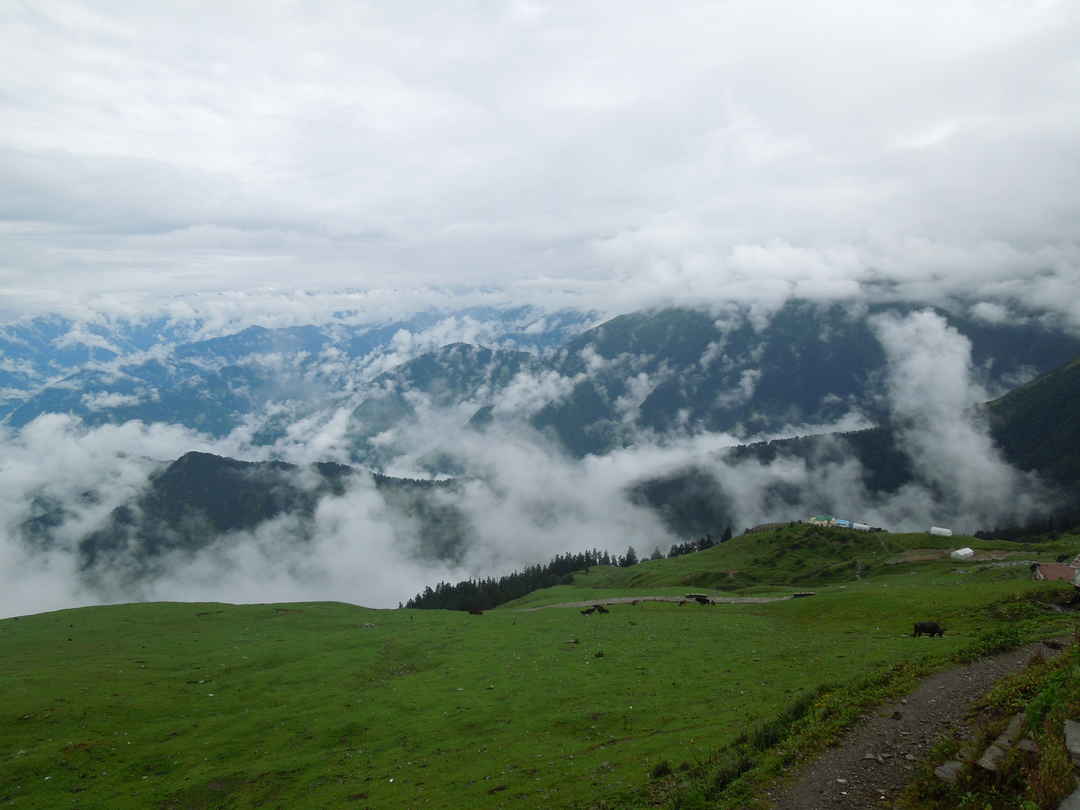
(990, 642)
(661, 769)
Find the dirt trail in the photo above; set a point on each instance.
(877, 758)
(629, 600)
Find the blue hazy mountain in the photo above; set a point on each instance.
(107, 373)
(642, 375)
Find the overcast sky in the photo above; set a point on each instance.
(616, 153)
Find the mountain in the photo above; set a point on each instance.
(454, 376)
(658, 374)
(1036, 427)
(201, 498)
(111, 372)
(677, 369)
(1038, 424)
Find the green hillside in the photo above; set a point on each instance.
(1038, 424)
(331, 705)
(791, 558)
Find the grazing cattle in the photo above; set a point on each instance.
(928, 628)
(636, 602)
(588, 611)
(703, 600)
(475, 612)
(600, 609)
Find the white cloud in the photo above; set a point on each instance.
(612, 155)
(934, 401)
(105, 400)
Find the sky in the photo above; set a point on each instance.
(587, 153)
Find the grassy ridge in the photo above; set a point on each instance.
(332, 705)
(788, 559)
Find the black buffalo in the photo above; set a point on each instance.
(928, 628)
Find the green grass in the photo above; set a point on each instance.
(305, 705)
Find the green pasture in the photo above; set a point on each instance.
(788, 560)
(330, 705)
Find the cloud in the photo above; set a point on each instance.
(615, 156)
(935, 410)
(104, 401)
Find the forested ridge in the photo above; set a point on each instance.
(490, 592)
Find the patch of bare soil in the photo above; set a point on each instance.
(877, 758)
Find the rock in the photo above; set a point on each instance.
(1011, 732)
(909, 757)
(896, 715)
(949, 771)
(1029, 745)
(991, 758)
(1071, 802)
(1072, 740)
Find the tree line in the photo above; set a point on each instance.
(488, 592)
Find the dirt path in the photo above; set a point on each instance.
(629, 600)
(873, 763)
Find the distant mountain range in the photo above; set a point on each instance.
(645, 377)
(194, 501)
(677, 371)
(112, 372)
(649, 374)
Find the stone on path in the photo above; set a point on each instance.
(991, 758)
(949, 771)
(1071, 802)
(1072, 740)
(1011, 732)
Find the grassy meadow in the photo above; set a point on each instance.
(332, 705)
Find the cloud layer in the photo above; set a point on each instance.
(610, 154)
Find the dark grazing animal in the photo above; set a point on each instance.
(703, 600)
(600, 609)
(928, 628)
(588, 611)
(476, 612)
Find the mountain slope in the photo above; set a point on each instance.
(1036, 427)
(200, 498)
(675, 369)
(1038, 424)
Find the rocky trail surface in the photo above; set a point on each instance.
(877, 758)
